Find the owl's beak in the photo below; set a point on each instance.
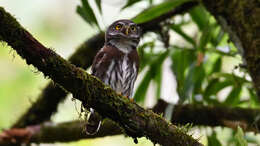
(126, 30)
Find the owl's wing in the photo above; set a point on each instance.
(100, 64)
(98, 69)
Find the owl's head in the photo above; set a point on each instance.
(123, 30)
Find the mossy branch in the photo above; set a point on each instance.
(246, 118)
(50, 133)
(52, 95)
(136, 121)
(47, 102)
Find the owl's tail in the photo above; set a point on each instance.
(93, 122)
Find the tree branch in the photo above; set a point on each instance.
(183, 114)
(247, 119)
(201, 115)
(50, 133)
(135, 121)
(52, 95)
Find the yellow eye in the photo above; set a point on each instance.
(118, 26)
(133, 28)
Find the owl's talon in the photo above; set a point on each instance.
(131, 100)
(120, 93)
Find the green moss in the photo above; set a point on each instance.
(10, 29)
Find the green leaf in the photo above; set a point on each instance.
(158, 10)
(143, 86)
(253, 97)
(181, 59)
(98, 3)
(214, 86)
(200, 16)
(154, 73)
(213, 140)
(130, 3)
(181, 63)
(239, 137)
(216, 39)
(220, 36)
(198, 78)
(216, 66)
(233, 98)
(236, 79)
(177, 29)
(145, 56)
(188, 83)
(86, 12)
(194, 77)
(157, 66)
(205, 37)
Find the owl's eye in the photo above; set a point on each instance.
(118, 26)
(133, 28)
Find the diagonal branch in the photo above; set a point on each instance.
(52, 95)
(136, 121)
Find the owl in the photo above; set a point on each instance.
(117, 63)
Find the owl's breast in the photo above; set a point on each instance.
(123, 73)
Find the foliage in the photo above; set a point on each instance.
(86, 12)
(239, 136)
(157, 10)
(213, 140)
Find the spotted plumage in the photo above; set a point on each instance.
(117, 63)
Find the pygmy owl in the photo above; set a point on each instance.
(117, 63)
